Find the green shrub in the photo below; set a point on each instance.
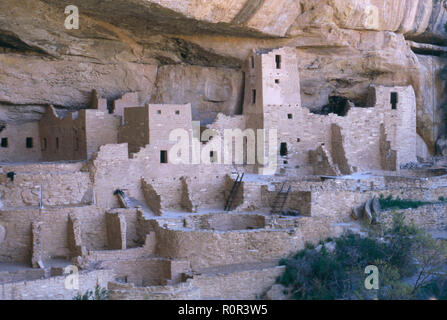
(403, 252)
(98, 294)
(436, 288)
(398, 203)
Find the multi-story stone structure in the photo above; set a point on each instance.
(379, 136)
(156, 227)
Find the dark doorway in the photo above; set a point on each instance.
(283, 149)
(394, 100)
(163, 156)
(110, 106)
(4, 143)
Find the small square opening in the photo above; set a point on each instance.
(29, 143)
(163, 156)
(158, 111)
(290, 116)
(4, 143)
(276, 81)
(177, 112)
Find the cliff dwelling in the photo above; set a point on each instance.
(170, 167)
(98, 188)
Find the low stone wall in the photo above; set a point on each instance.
(54, 288)
(429, 217)
(181, 291)
(16, 246)
(225, 221)
(21, 275)
(214, 248)
(242, 285)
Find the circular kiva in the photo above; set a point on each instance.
(2, 234)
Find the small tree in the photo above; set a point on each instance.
(98, 294)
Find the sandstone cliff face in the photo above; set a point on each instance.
(192, 50)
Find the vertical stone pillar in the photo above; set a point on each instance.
(36, 258)
(116, 231)
(74, 237)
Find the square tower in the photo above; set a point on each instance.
(271, 78)
(272, 99)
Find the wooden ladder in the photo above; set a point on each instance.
(233, 192)
(280, 199)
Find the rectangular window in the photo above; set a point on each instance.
(254, 96)
(278, 61)
(163, 156)
(394, 100)
(29, 143)
(4, 143)
(57, 143)
(252, 61)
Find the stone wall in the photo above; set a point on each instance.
(225, 221)
(213, 248)
(16, 246)
(429, 217)
(76, 136)
(11, 276)
(181, 291)
(13, 139)
(54, 288)
(58, 188)
(111, 169)
(237, 285)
